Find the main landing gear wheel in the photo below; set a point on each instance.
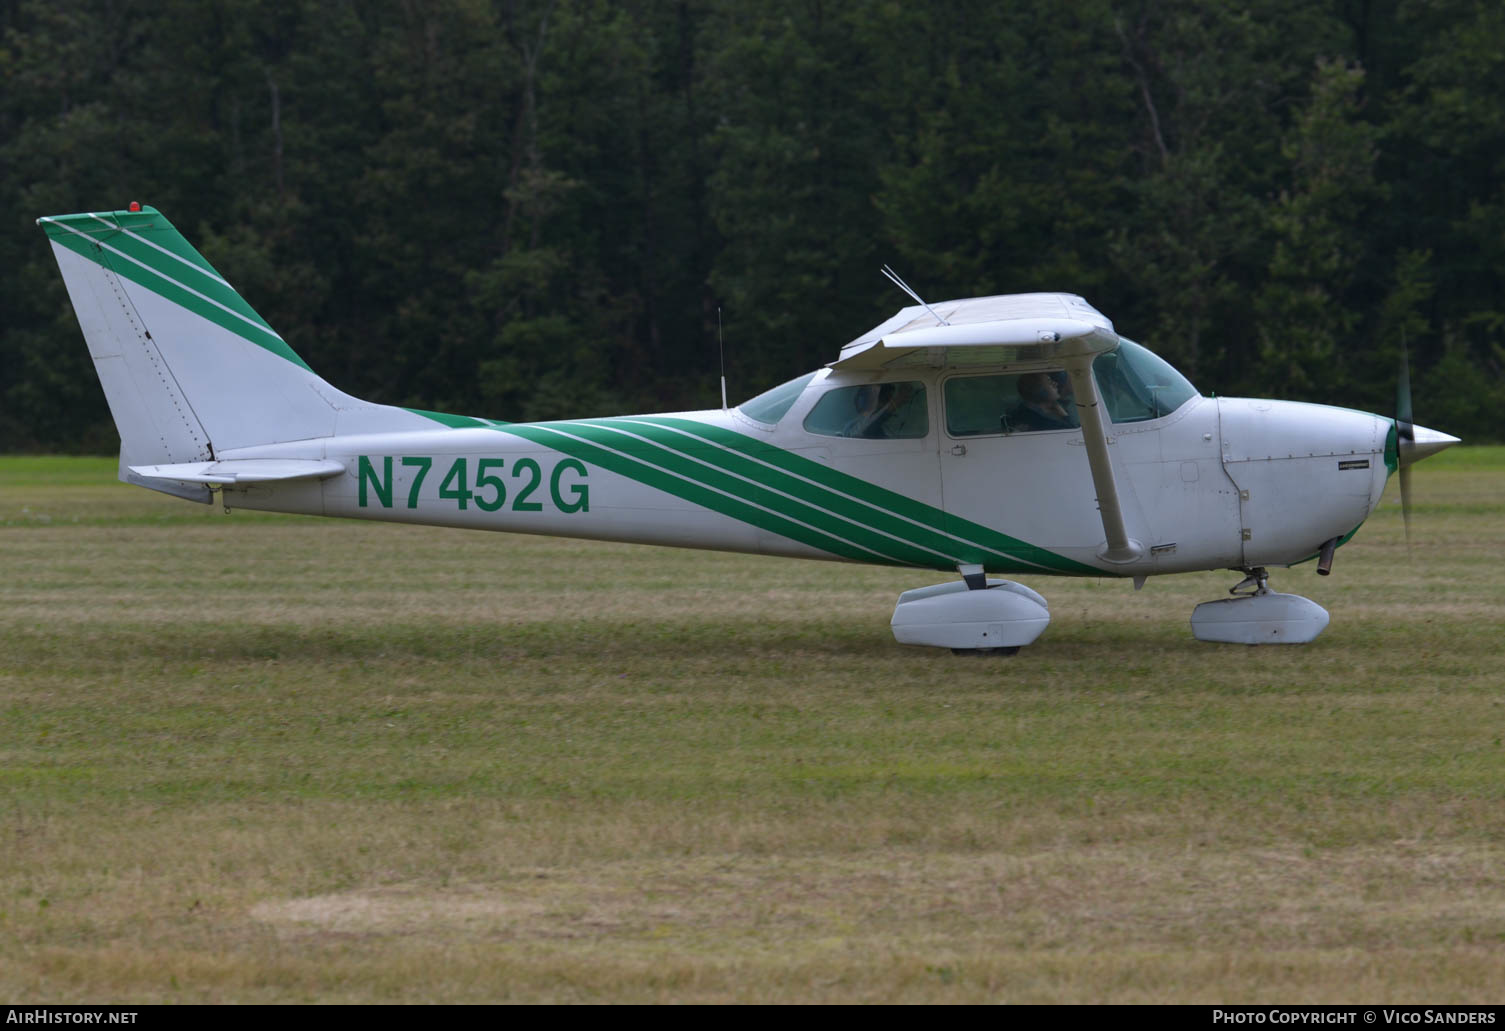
(976, 616)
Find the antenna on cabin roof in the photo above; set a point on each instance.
(722, 345)
(894, 278)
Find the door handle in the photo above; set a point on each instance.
(959, 449)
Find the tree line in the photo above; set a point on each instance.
(530, 209)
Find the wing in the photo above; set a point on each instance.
(998, 330)
(1001, 331)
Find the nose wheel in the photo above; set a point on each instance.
(1257, 615)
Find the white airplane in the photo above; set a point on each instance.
(1014, 434)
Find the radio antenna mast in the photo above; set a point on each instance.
(893, 277)
(721, 344)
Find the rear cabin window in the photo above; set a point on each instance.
(876, 411)
(1027, 402)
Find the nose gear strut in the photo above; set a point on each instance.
(1257, 582)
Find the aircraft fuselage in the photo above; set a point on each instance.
(1217, 483)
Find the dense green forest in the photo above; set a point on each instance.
(532, 209)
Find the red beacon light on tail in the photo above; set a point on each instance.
(135, 205)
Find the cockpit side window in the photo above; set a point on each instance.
(885, 411)
(1024, 403)
(1137, 384)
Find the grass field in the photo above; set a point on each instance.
(259, 758)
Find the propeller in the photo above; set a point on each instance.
(1413, 442)
(1405, 435)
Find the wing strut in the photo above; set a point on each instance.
(1121, 548)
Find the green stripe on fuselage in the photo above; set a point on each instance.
(984, 545)
(709, 465)
(549, 436)
(846, 515)
(456, 422)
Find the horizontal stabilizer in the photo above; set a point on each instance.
(242, 470)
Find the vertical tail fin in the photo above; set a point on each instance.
(188, 367)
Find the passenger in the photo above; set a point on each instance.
(1067, 392)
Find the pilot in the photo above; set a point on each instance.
(1042, 407)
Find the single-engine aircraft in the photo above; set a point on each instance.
(1016, 434)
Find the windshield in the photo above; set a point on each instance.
(769, 407)
(1138, 384)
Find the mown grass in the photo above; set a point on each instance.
(260, 758)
